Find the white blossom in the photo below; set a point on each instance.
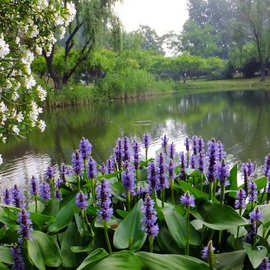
(41, 125)
(41, 93)
(4, 47)
(1, 159)
(16, 130)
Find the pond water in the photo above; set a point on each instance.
(240, 119)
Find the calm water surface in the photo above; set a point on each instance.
(240, 119)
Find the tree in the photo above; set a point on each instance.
(254, 16)
(27, 27)
(81, 35)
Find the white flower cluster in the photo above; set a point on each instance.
(37, 26)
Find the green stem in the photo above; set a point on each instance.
(172, 191)
(79, 183)
(238, 228)
(84, 216)
(201, 176)
(146, 153)
(107, 237)
(222, 196)
(188, 231)
(36, 207)
(128, 200)
(151, 243)
(163, 197)
(211, 191)
(219, 239)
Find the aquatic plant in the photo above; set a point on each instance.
(129, 200)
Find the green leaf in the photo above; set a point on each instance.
(5, 255)
(93, 257)
(35, 254)
(233, 180)
(218, 217)
(230, 260)
(48, 248)
(119, 261)
(153, 261)
(255, 254)
(266, 214)
(80, 249)
(177, 226)
(3, 267)
(40, 220)
(64, 216)
(129, 233)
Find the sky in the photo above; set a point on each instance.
(161, 15)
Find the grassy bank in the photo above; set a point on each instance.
(85, 94)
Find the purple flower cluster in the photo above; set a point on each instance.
(146, 140)
(247, 171)
(183, 165)
(85, 148)
(128, 179)
(150, 217)
(50, 172)
(171, 151)
(265, 265)
(240, 203)
(152, 177)
(16, 197)
(77, 163)
(255, 215)
(25, 226)
(92, 168)
(7, 199)
(126, 149)
(194, 141)
(104, 195)
(164, 143)
(171, 168)
(212, 155)
(34, 186)
(267, 166)
(223, 172)
(81, 201)
(109, 166)
(136, 151)
(45, 191)
(64, 170)
(187, 200)
(163, 181)
(252, 192)
(16, 253)
(220, 151)
(201, 163)
(187, 144)
(193, 161)
(206, 250)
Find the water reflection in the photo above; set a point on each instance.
(240, 119)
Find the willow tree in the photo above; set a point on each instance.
(255, 16)
(80, 39)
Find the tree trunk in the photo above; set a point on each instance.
(53, 74)
(263, 66)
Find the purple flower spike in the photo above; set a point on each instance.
(104, 195)
(265, 265)
(201, 163)
(187, 200)
(7, 199)
(267, 166)
(268, 192)
(193, 161)
(220, 151)
(136, 151)
(58, 194)
(16, 253)
(128, 180)
(163, 181)
(255, 215)
(25, 226)
(77, 163)
(34, 186)
(109, 166)
(183, 165)
(212, 154)
(92, 168)
(252, 191)
(150, 217)
(102, 169)
(187, 144)
(164, 144)
(171, 151)
(206, 250)
(240, 203)
(50, 172)
(81, 201)
(171, 168)
(126, 150)
(200, 145)
(45, 191)
(223, 172)
(85, 148)
(16, 197)
(146, 140)
(195, 145)
(152, 177)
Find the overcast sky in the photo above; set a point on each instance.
(162, 15)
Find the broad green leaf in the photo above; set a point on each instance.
(81, 225)
(233, 180)
(129, 233)
(255, 254)
(218, 217)
(64, 216)
(71, 237)
(230, 260)
(177, 226)
(35, 254)
(48, 248)
(80, 249)
(93, 257)
(5, 255)
(3, 267)
(40, 220)
(123, 260)
(153, 261)
(113, 223)
(266, 214)
(52, 208)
